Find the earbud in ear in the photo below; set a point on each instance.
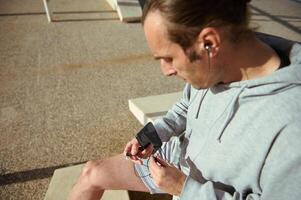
(207, 47)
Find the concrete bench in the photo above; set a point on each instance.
(147, 109)
(63, 179)
(127, 10)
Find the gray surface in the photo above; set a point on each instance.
(64, 86)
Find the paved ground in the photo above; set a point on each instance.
(64, 86)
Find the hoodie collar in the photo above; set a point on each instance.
(282, 79)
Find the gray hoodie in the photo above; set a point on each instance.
(242, 140)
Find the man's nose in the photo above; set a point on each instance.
(167, 68)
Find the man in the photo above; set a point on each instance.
(239, 118)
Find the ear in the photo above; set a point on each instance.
(209, 39)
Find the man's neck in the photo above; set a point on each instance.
(250, 59)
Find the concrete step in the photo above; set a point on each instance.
(128, 10)
(147, 109)
(63, 179)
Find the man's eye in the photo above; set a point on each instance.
(168, 60)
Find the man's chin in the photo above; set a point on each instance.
(195, 86)
(199, 87)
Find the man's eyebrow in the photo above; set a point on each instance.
(160, 57)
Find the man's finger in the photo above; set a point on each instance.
(161, 161)
(146, 152)
(137, 161)
(134, 159)
(149, 149)
(135, 149)
(127, 148)
(155, 166)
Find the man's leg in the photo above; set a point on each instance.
(110, 173)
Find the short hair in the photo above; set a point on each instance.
(186, 18)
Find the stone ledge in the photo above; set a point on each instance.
(63, 180)
(147, 109)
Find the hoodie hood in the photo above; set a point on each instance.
(283, 79)
(287, 75)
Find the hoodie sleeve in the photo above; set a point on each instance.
(174, 122)
(193, 190)
(280, 176)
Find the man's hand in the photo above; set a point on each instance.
(166, 176)
(132, 151)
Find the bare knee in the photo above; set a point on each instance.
(92, 174)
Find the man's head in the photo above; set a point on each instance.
(185, 35)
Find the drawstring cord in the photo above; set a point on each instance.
(230, 114)
(201, 101)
